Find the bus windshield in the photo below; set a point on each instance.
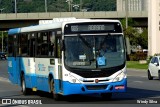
(94, 52)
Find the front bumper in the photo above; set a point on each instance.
(77, 88)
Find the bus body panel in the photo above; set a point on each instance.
(30, 80)
(28, 68)
(43, 68)
(12, 70)
(36, 75)
(42, 83)
(17, 65)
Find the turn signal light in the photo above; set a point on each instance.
(119, 87)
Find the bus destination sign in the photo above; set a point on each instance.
(91, 27)
(76, 28)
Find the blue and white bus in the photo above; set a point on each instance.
(65, 58)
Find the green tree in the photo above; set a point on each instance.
(7, 5)
(55, 5)
(5, 35)
(133, 35)
(143, 39)
(130, 22)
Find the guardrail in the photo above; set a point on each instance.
(51, 15)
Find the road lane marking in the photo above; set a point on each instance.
(144, 76)
(5, 105)
(23, 106)
(4, 79)
(138, 81)
(136, 76)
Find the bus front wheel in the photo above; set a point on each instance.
(55, 96)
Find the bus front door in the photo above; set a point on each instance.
(60, 73)
(31, 64)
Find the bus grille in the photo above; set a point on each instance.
(96, 87)
(95, 74)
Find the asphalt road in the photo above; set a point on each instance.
(140, 89)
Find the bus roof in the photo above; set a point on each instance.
(41, 27)
(35, 28)
(54, 25)
(91, 20)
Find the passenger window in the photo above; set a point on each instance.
(10, 45)
(23, 44)
(152, 60)
(45, 44)
(51, 44)
(156, 61)
(42, 48)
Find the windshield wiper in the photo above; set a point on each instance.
(84, 41)
(105, 38)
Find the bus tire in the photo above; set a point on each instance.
(55, 96)
(106, 96)
(25, 90)
(149, 76)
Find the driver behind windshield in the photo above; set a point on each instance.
(104, 49)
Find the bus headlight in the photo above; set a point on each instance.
(119, 77)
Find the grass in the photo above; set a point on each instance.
(136, 65)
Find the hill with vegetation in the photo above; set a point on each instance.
(31, 6)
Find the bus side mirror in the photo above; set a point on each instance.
(128, 46)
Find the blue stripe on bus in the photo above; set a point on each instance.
(13, 31)
(70, 88)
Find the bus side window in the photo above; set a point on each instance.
(51, 43)
(14, 45)
(38, 44)
(10, 45)
(42, 44)
(51, 49)
(44, 49)
(23, 49)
